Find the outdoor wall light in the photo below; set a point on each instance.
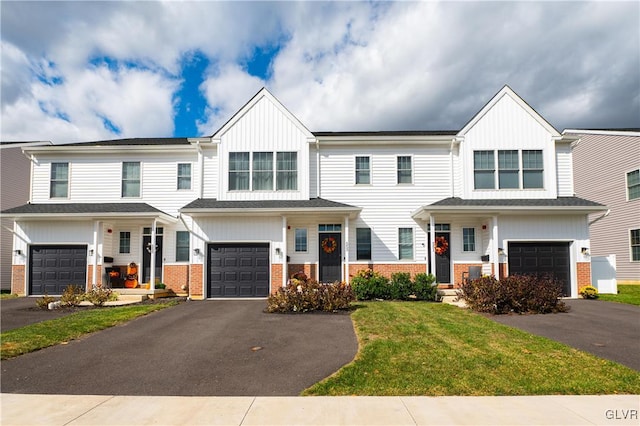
(196, 251)
(278, 251)
(18, 252)
(91, 252)
(500, 251)
(585, 251)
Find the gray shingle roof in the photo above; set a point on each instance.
(391, 133)
(83, 208)
(134, 141)
(528, 202)
(313, 203)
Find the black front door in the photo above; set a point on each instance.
(146, 258)
(330, 257)
(443, 258)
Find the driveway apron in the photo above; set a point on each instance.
(205, 348)
(606, 329)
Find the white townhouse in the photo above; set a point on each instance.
(237, 213)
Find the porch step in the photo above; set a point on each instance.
(132, 297)
(450, 296)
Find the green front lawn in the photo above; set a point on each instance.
(626, 294)
(52, 332)
(417, 348)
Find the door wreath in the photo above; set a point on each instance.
(329, 245)
(441, 245)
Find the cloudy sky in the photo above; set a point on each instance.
(82, 71)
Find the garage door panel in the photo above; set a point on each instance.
(53, 268)
(238, 270)
(540, 258)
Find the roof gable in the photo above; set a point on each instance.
(507, 91)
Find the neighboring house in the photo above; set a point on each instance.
(235, 214)
(606, 169)
(15, 179)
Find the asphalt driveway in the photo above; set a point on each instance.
(204, 348)
(606, 329)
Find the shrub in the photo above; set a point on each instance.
(72, 296)
(424, 287)
(589, 292)
(368, 285)
(401, 286)
(515, 293)
(305, 295)
(98, 295)
(43, 302)
(161, 286)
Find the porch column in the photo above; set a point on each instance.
(495, 255)
(285, 265)
(346, 249)
(94, 261)
(152, 260)
(432, 235)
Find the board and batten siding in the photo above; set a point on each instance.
(508, 126)
(47, 232)
(600, 164)
(264, 128)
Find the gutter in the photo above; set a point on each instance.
(601, 217)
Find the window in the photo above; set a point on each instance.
(301, 240)
(59, 180)
(468, 239)
(182, 246)
(405, 244)
(238, 171)
(532, 169)
(440, 227)
(330, 228)
(286, 171)
(483, 170)
(147, 231)
(363, 172)
(125, 242)
(131, 179)
(508, 169)
(262, 171)
(633, 184)
(363, 243)
(404, 169)
(635, 245)
(184, 176)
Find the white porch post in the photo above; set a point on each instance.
(285, 265)
(346, 250)
(495, 255)
(152, 260)
(432, 253)
(94, 261)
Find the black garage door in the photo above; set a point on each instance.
(238, 270)
(541, 258)
(52, 268)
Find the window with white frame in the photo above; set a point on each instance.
(59, 180)
(405, 243)
(125, 242)
(516, 169)
(363, 243)
(286, 171)
(184, 176)
(635, 245)
(255, 171)
(508, 169)
(404, 169)
(483, 170)
(633, 185)
(468, 239)
(239, 171)
(131, 179)
(363, 171)
(532, 169)
(262, 171)
(182, 246)
(301, 239)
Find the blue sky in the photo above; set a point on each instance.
(104, 70)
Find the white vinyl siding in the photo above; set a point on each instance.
(633, 185)
(59, 180)
(184, 176)
(130, 179)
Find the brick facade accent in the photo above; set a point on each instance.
(175, 277)
(309, 269)
(18, 279)
(90, 282)
(195, 282)
(386, 269)
(584, 274)
(276, 276)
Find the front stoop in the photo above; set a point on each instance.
(450, 296)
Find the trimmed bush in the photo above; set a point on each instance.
(98, 295)
(515, 293)
(369, 285)
(72, 296)
(401, 286)
(589, 292)
(425, 287)
(305, 295)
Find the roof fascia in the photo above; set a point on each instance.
(413, 139)
(601, 132)
(106, 148)
(507, 91)
(352, 212)
(25, 144)
(163, 217)
(498, 210)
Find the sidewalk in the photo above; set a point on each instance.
(20, 409)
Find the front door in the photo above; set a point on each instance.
(146, 258)
(330, 257)
(443, 258)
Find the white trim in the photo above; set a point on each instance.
(626, 184)
(602, 132)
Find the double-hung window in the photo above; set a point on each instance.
(404, 169)
(635, 245)
(405, 243)
(262, 171)
(238, 171)
(532, 169)
(301, 240)
(484, 170)
(131, 179)
(125, 242)
(363, 243)
(182, 246)
(363, 171)
(508, 169)
(59, 180)
(286, 171)
(468, 239)
(633, 185)
(184, 176)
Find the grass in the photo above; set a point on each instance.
(7, 295)
(415, 348)
(626, 294)
(52, 332)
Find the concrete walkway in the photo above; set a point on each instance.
(20, 409)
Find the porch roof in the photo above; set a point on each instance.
(88, 211)
(559, 205)
(313, 205)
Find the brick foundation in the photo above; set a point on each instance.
(175, 277)
(309, 269)
(584, 274)
(196, 286)
(276, 276)
(387, 269)
(18, 283)
(90, 282)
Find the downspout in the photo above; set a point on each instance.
(192, 232)
(432, 253)
(201, 165)
(152, 260)
(318, 169)
(285, 265)
(94, 273)
(601, 217)
(346, 249)
(452, 174)
(495, 250)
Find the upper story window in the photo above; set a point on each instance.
(404, 169)
(59, 180)
(483, 170)
(405, 243)
(363, 243)
(301, 240)
(508, 169)
(184, 176)
(635, 245)
(512, 172)
(532, 169)
(182, 246)
(255, 172)
(131, 179)
(633, 184)
(363, 171)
